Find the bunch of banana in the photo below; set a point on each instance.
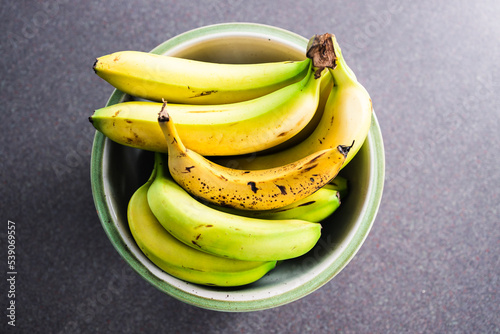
(223, 129)
(249, 170)
(223, 234)
(217, 247)
(180, 260)
(346, 119)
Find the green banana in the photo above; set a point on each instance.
(248, 190)
(177, 80)
(224, 234)
(346, 119)
(341, 184)
(180, 260)
(229, 129)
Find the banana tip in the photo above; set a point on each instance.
(163, 118)
(163, 114)
(344, 149)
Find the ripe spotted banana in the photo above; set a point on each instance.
(314, 208)
(346, 119)
(248, 190)
(224, 234)
(177, 80)
(227, 129)
(180, 260)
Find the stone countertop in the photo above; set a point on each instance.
(431, 262)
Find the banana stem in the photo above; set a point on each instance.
(159, 161)
(154, 171)
(169, 130)
(321, 51)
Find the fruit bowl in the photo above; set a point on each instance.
(117, 171)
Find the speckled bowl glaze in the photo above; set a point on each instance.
(117, 171)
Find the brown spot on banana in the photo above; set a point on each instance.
(316, 157)
(282, 189)
(133, 139)
(310, 167)
(205, 93)
(253, 186)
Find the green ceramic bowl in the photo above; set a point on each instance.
(117, 171)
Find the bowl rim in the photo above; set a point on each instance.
(107, 215)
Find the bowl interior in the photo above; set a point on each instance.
(117, 171)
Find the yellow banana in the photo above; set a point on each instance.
(314, 208)
(325, 89)
(177, 80)
(224, 234)
(248, 190)
(228, 129)
(346, 119)
(180, 260)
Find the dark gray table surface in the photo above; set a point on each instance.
(431, 262)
